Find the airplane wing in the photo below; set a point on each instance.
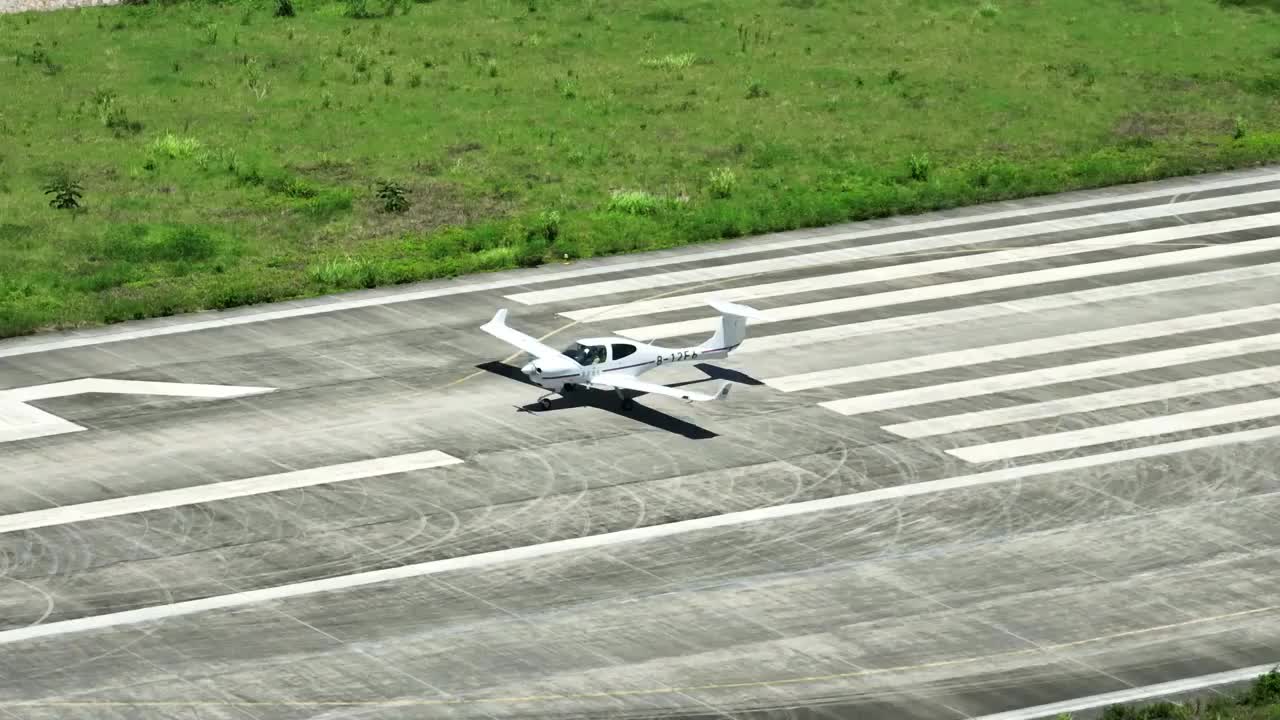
(607, 381)
(498, 328)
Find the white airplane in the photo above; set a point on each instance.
(614, 363)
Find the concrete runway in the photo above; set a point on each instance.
(974, 461)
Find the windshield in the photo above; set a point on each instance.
(586, 354)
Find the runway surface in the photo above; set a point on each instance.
(973, 461)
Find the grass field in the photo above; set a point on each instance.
(227, 156)
(1260, 701)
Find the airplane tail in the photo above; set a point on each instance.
(732, 330)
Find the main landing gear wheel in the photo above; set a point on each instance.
(544, 403)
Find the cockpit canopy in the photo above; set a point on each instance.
(586, 354)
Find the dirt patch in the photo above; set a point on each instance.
(329, 172)
(463, 149)
(1156, 126)
(1146, 125)
(431, 206)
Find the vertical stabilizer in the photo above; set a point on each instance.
(732, 330)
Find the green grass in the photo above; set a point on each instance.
(229, 156)
(1260, 701)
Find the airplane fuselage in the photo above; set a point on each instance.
(613, 363)
(588, 358)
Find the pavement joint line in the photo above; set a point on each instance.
(556, 547)
(1025, 714)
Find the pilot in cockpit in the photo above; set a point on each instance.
(586, 355)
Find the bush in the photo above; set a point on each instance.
(112, 114)
(358, 9)
(175, 147)
(392, 195)
(918, 166)
(66, 192)
(1266, 689)
(548, 226)
(721, 182)
(633, 202)
(343, 272)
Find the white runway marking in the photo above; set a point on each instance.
(25, 346)
(1023, 348)
(1137, 694)
(908, 270)
(1032, 305)
(1053, 375)
(964, 287)
(934, 242)
(128, 387)
(1132, 430)
(224, 490)
(529, 552)
(1086, 403)
(19, 421)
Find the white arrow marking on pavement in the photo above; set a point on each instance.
(20, 421)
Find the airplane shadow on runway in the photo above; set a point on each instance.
(719, 373)
(608, 401)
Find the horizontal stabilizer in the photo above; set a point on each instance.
(727, 308)
(732, 330)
